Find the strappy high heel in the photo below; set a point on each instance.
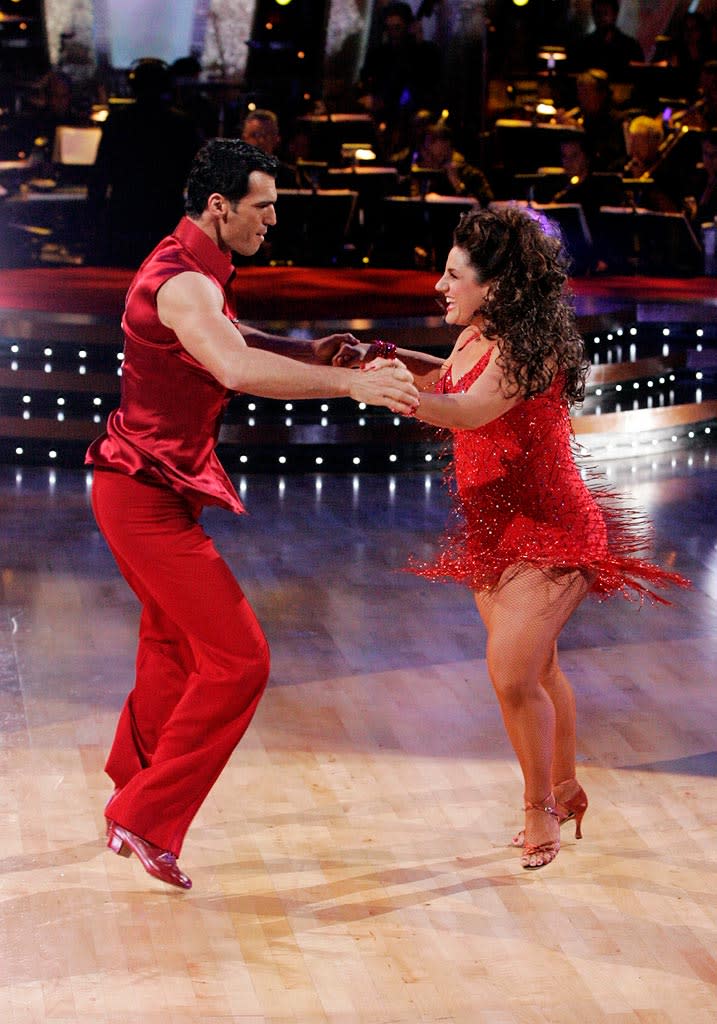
(538, 855)
(568, 808)
(573, 807)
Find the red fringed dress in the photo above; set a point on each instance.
(520, 497)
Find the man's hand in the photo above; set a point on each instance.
(386, 382)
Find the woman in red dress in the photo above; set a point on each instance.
(530, 537)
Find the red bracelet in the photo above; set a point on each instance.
(383, 349)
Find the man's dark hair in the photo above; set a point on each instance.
(399, 10)
(224, 166)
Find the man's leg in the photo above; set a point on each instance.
(193, 728)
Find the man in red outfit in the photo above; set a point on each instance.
(202, 659)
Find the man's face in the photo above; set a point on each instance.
(708, 87)
(709, 158)
(262, 134)
(604, 15)
(396, 29)
(573, 159)
(246, 222)
(436, 151)
(590, 97)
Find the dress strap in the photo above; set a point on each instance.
(472, 375)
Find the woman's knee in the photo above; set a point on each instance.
(550, 671)
(514, 672)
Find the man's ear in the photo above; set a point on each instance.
(217, 204)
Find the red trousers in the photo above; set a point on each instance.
(202, 659)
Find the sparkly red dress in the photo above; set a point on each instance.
(520, 497)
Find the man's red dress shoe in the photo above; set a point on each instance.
(108, 820)
(159, 863)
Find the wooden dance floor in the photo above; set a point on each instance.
(352, 865)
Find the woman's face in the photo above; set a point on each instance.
(461, 291)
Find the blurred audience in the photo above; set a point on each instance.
(613, 152)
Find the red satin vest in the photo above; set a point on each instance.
(171, 408)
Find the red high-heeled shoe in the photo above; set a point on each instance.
(573, 807)
(159, 863)
(568, 808)
(538, 855)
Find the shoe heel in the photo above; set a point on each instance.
(578, 824)
(118, 846)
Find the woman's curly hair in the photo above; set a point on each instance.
(525, 311)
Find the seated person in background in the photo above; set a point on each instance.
(584, 186)
(597, 117)
(701, 201)
(688, 47)
(190, 97)
(261, 129)
(651, 187)
(50, 103)
(404, 157)
(136, 190)
(589, 190)
(703, 113)
(452, 174)
(606, 47)
(400, 75)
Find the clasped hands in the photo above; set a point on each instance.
(384, 382)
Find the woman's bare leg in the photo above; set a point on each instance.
(523, 617)
(560, 691)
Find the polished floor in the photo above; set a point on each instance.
(352, 865)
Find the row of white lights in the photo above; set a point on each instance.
(429, 457)
(356, 482)
(47, 352)
(632, 331)
(282, 459)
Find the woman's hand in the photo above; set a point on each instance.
(352, 352)
(327, 349)
(386, 382)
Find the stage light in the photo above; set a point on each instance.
(520, 3)
(282, 3)
(552, 55)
